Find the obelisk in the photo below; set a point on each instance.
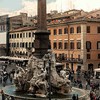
(42, 15)
(41, 42)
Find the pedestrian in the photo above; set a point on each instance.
(80, 85)
(86, 85)
(77, 97)
(74, 97)
(11, 75)
(91, 95)
(5, 77)
(3, 96)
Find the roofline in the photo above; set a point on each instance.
(23, 29)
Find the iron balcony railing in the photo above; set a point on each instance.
(70, 60)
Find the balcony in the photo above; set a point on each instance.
(70, 60)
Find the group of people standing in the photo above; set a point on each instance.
(6, 77)
(85, 80)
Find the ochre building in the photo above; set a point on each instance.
(74, 38)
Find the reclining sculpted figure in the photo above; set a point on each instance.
(35, 77)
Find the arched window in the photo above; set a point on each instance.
(65, 30)
(60, 31)
(54, 45)
(72, 45)
(88, 45)
(78, 44)
(65, 45)
(72, 30)
(55, 32)
(79, 29)
(60, 45)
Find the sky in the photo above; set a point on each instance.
(14, 7)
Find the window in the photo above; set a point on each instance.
(71, 45)
(26, 45)
(60, 31)
(88, 56)
(49, 31)
(23, 34)
(65, 30)
(88, 29)
(32, 44)
(14, 44)
(17, 44)
(79, 29)
(78, 44)
(98, 45)
(17, 35)
(33, 34)
(98, 56)
(54, 45)
(88, 45)
(29, 34)
(10, 36)
(66, 45)
(14, 35)
(60, 45)
(20, 35)
(23, 44)
(98, 29)
(55, 32)
(71, 30)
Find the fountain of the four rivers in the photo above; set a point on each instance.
(40, 80)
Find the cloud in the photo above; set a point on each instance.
(4, 11)
(30, 6)
(87, 5)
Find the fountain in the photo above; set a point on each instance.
(40, 80)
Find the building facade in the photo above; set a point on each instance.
(21, 41)
(75, 39)
(3, 34)
(77, 42)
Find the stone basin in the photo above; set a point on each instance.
(10, 91)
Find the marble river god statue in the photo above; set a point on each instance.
(36, 79)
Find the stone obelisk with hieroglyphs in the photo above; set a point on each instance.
(41, 42)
